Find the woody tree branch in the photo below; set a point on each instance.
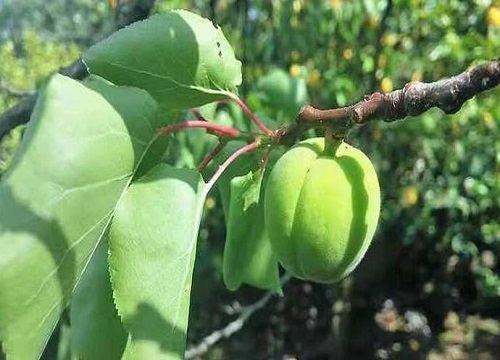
(412, 100)
(233, 327)
(20, 113)
(126, 13)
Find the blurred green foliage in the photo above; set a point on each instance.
(21, 71)
(439, 236)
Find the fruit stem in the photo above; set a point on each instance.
(333, 139)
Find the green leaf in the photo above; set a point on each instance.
(180, 58)
(78, 155)
(240, 166)
(142, 119)
(282, 92)
(152, 252)
(96, 330)
(248, 256)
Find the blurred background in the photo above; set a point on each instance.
(429, 287)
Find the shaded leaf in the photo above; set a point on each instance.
(74, 163)
(152, 252)
(96, 330)
(282, 92)
(248, 256)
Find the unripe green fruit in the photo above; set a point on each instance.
(321, 209)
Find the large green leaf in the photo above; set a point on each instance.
(152, 252)
(96, 330)
(180, 58)
(248, 256)
(77, 157)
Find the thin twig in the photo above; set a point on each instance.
(197, 114)
(20, 113)
(211, 155)
(252, 116)
(414, 99)
(234, 326)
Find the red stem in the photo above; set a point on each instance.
(249, 147)
(254, 118)
(219, 129)
(210, 156)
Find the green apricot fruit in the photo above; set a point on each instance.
(321, 209)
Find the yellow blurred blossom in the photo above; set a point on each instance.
(493, 16)
(210, 203)
(414, 344)
(382, 61)
(417, 76)
(335, 3)
(297, 6)
(314, 78)
(371, 22)
(259, 71)
(386, 85)
(347, 54)
(409, 196)
(452, 320)
(295, 55)
(488, 120)
(389, 39)
(295, 70)
(221, 6)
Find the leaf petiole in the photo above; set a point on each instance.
(211, 155)
(249, 147)
(252, 116)
(192, 124)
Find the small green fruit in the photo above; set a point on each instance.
(321, 209)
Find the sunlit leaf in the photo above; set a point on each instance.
(180, 58)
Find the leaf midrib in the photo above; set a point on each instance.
(110, 214)
(221, 91)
